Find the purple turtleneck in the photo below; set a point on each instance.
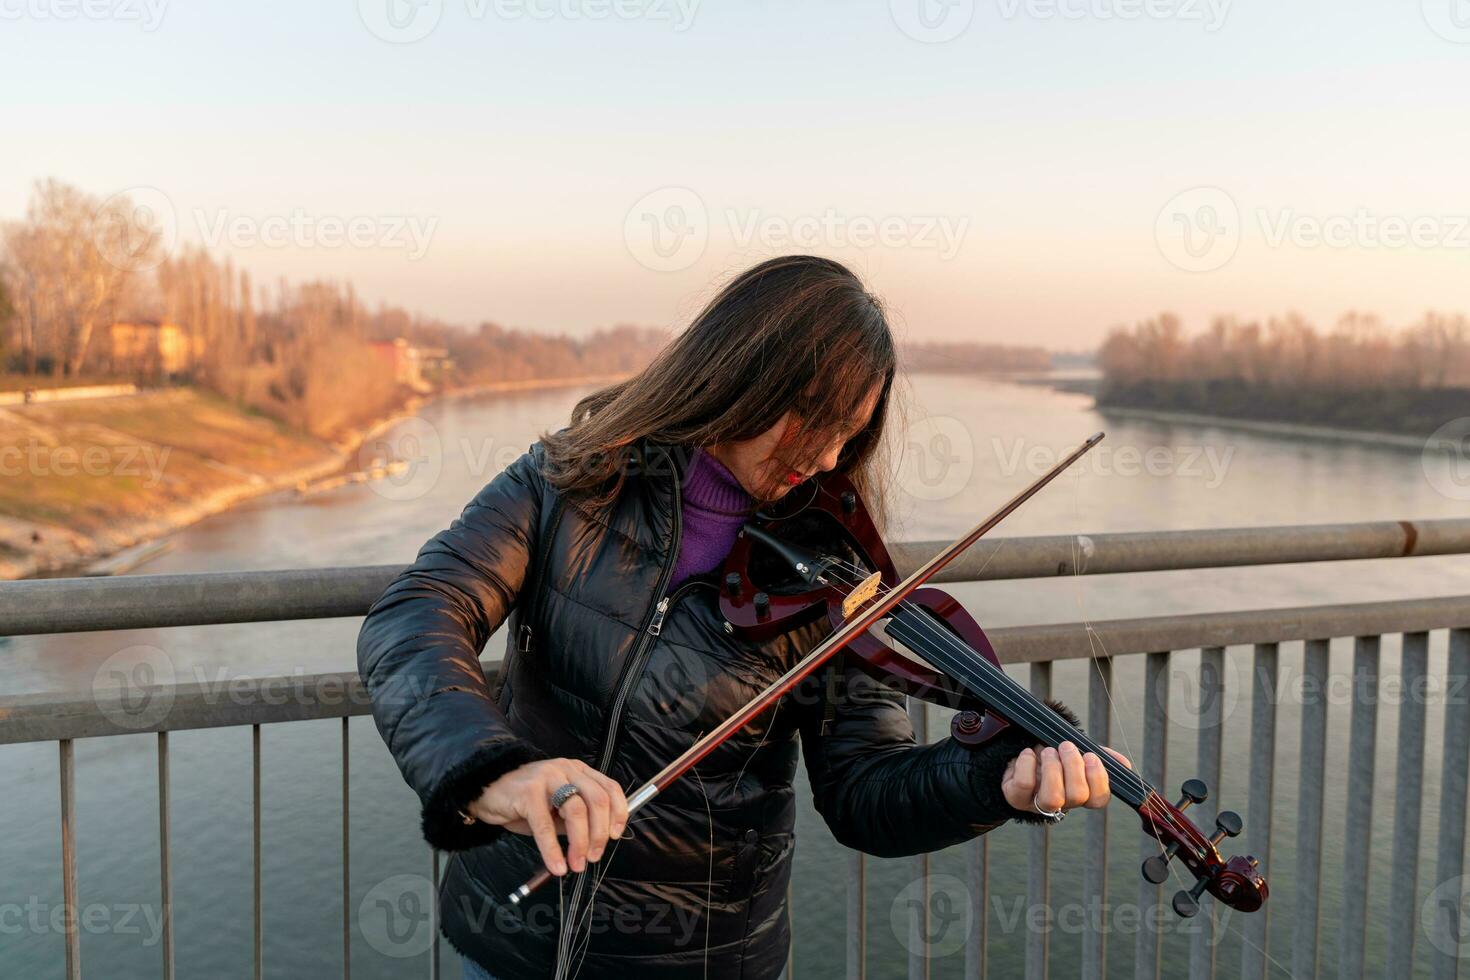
(715, 506)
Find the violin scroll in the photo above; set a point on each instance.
(1235, 881)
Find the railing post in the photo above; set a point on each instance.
(919, 865)
(1095, 871)
(165, 876)
(1445, 933)
(346, 867)
(1358, 836)
(857, 923)
(255, 846)
(71, 926)
(1148, 944)
(976, 951)
(1403, 903)
(434, 913)
(1038, 889)
(790, 972)
(1264, 691)
(1305, 939)
(1211, 723)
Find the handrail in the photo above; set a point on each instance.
(243, 700)
(69, 605)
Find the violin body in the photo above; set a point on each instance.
(830, 506)
(817, 552)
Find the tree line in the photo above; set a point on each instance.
(1360, 374)
(75, 264)
(1359, 353)
(300, 353)
(973, 358)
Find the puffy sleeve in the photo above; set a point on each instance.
(418, 654)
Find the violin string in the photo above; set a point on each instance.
(1042, 714)
(602, 870)
(1041, 719)
(1023, 705)
(604, 866)
(1095, 640)
(1007, 694)
(709, 890)
(1246, 942)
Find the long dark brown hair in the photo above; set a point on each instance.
(798, 333)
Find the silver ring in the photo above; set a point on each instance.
(1052, 815)
(563, 793)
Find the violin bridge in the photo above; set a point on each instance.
(864, 591)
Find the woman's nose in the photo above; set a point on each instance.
(829, 458)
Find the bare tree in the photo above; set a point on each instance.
(1359, 353)
(76, 257)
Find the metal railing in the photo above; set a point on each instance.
(67, 605)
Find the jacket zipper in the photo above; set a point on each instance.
(524, 634)
(652, 625)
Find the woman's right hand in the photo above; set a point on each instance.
(520, 801)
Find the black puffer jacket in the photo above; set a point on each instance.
(598, 669)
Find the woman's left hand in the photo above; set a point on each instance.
(1057, 779)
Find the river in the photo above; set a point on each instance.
(978, 441)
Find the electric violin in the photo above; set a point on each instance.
(817, 552)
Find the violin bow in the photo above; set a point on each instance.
(857, 624)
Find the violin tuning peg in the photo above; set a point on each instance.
(1193, 791)
(1156, 869)
(1186, 903)
(1227, 824)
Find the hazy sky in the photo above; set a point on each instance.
(1021, 170)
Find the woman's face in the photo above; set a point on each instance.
(766, 478)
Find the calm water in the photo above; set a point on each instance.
(979, 442)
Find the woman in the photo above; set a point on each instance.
(602, 544)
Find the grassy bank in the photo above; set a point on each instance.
(79, 480)
(85, 479)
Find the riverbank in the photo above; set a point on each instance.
(1411, 413)
(1289, 429)
(1090, 383)
(85, 480)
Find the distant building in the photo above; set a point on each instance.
(419, 368)
(151, 347)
